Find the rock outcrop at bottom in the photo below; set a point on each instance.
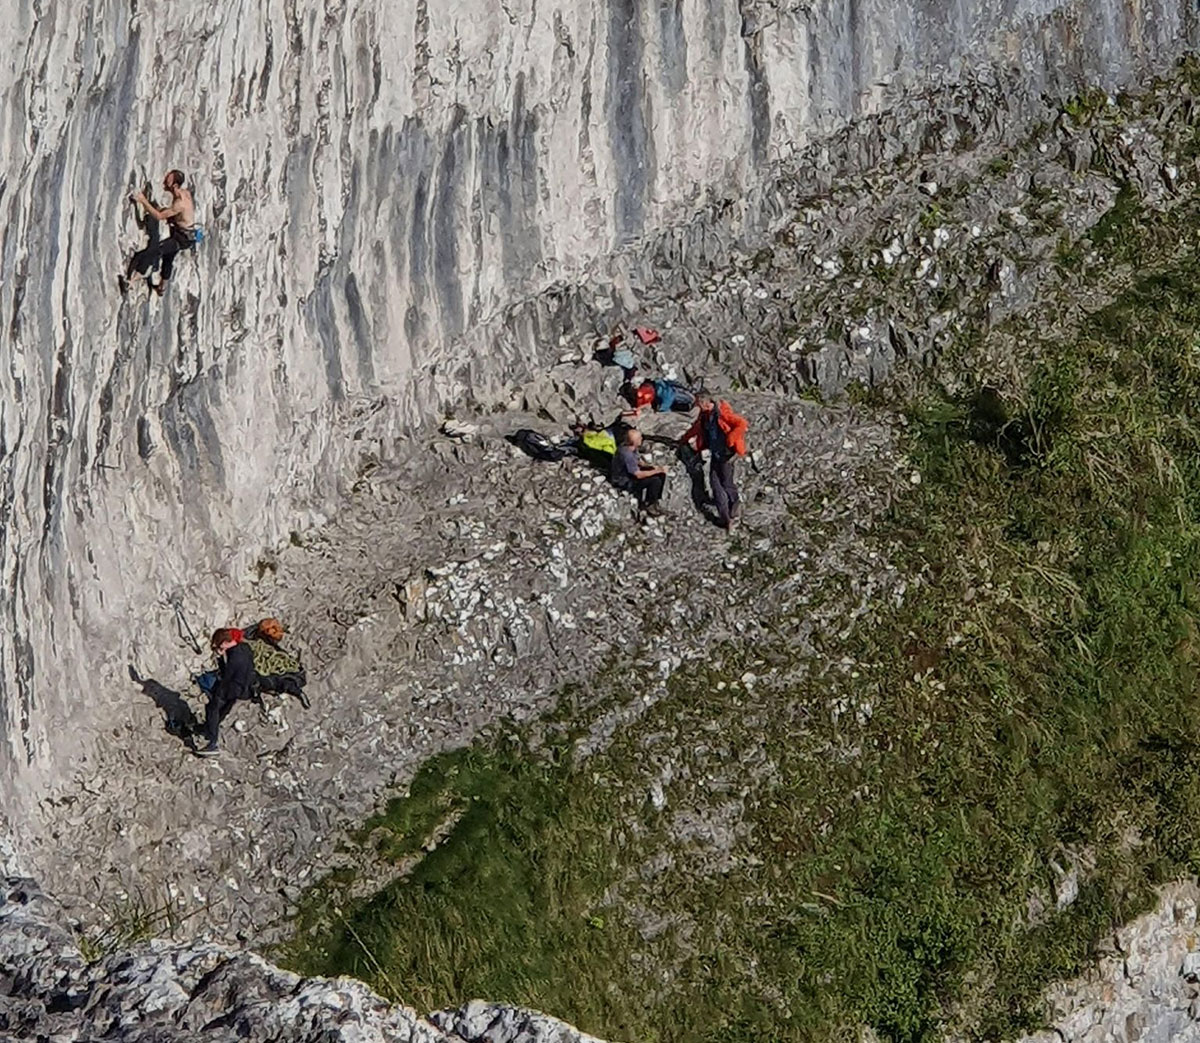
(1146, 986)
(164, 992)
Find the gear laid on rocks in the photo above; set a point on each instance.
(411, 262)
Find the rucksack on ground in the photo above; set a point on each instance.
(535, 444)
(599, 442)
(277, 669)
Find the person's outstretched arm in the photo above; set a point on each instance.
(176, 207)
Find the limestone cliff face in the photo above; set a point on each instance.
(406, 204)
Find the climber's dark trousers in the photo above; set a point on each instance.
(158, 250)
(724, 491)
(219, 705)
(649, 490)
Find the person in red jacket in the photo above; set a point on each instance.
(723, 433)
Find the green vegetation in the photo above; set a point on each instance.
(898, 819)
(1086, 108)
(932, 217)
(134, 920)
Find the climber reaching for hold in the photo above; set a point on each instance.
(180, 215)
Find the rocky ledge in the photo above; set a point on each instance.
(1146, 988)
(162, 992)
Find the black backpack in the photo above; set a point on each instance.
(537, 445)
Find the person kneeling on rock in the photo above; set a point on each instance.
(661, 395)
(633, 474)
(235, 680)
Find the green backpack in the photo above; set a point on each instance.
(600, 442)
(269, 660)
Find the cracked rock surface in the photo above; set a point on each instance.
(169, 993)
(268, 438)
(463, 583)
(1146, 986)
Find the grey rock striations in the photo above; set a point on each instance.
(407, 205)
(463, 584)
(460, 584)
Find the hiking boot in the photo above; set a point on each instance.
(656, 511)
(211, 750)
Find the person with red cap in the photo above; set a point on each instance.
(661, 395)
(235, 680)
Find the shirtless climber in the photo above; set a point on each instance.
(180, 216)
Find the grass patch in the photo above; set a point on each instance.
(1117, 229)
(513, 876)
(130, 922)
(890, 837)
(1091, 105)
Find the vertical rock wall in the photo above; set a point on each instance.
(380, 183)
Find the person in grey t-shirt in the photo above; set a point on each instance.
(638, 476)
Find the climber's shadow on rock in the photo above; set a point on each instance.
(178, 718)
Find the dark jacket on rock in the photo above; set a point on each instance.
(235, 680)
(235, 671)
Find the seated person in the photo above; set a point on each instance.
(633, 474)
(275, 669)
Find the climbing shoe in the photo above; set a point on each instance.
(211, 750)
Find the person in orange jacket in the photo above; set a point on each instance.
(723, 433)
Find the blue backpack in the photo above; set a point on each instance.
(670, 394)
